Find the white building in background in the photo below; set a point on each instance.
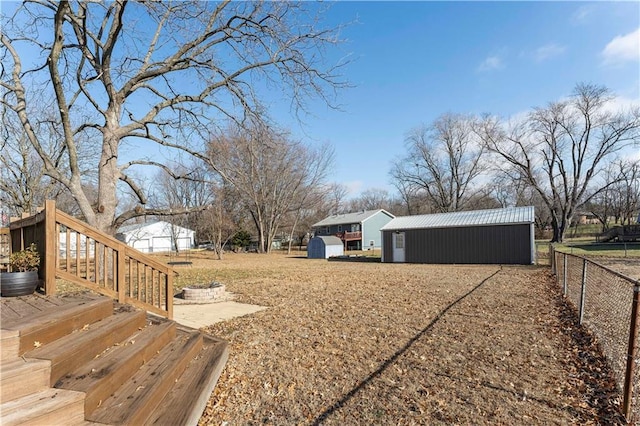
(154, 237)
(77, 245)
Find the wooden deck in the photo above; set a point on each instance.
(102, 362)
(15, 310)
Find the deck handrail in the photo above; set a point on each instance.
(349, 235)
(73, 250)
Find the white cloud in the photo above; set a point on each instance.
(547, 51)
(623, 48)
(582, 14)
(491, 63)
(621, 103)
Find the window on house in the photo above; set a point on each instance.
(326, 230)
(339, 228)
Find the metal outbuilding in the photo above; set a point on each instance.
(496, 236)
(324, 247)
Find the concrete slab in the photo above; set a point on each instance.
(204, 314)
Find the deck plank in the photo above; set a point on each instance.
(71, 351)
(102, 376)
(188, 398)
(137, 399)
(15, 309)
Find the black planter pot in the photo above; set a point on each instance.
(18, 283)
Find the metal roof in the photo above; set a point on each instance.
(508, 216)
(330, 240)
(346, 218)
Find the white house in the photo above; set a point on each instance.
(153, 237)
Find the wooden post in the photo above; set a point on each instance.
(564, 274)
(51, 239)
(120, 276)
(632, 349)
(583, 291)
(170, 294)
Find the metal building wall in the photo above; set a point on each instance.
(495, 244)
(387, 246)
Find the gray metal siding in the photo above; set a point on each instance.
(499, 244)
(387, 246)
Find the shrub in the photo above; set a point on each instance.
(25, 260)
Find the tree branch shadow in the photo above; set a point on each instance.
(387, 363)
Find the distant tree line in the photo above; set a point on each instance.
(86, 114)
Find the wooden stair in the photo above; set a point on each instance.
(113, 365)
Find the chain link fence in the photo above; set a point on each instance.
(607, 303)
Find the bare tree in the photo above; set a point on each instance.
(221, 220)
(152, 75)
(560, 150)
(371, 199)
(335, 198)
(23, 186)
(620, 200)
(271, 174)
(444, 161)
(628, 192)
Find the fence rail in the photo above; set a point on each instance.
(607, 302)
(72, 250)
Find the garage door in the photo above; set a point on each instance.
(184, 243)
(161, 244)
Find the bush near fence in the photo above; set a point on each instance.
(607, 303)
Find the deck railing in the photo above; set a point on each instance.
(349, 236)
(72, 250)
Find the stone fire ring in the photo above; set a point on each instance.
(204, 294)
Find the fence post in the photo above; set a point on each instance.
(583, 291)
(51, 239)
(552, 258)
(565, 290)
(631, 354)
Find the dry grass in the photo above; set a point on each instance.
(369, 343)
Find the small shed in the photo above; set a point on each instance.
(324, 247)
(495, 236)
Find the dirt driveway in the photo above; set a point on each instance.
(368, 343)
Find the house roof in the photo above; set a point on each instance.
(330, 240)
(508, 216)
(347, 218)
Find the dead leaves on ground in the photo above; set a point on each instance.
(350, 343)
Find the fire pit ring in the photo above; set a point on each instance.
(204, 293)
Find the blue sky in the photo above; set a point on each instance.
(413, 61)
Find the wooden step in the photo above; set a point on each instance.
(9, 345)
(47, 407)
(102, 376)
(50, 325)
(21, 377)
(71, 351)
(137, 399)
(188, 398)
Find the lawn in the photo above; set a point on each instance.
(370, 343)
